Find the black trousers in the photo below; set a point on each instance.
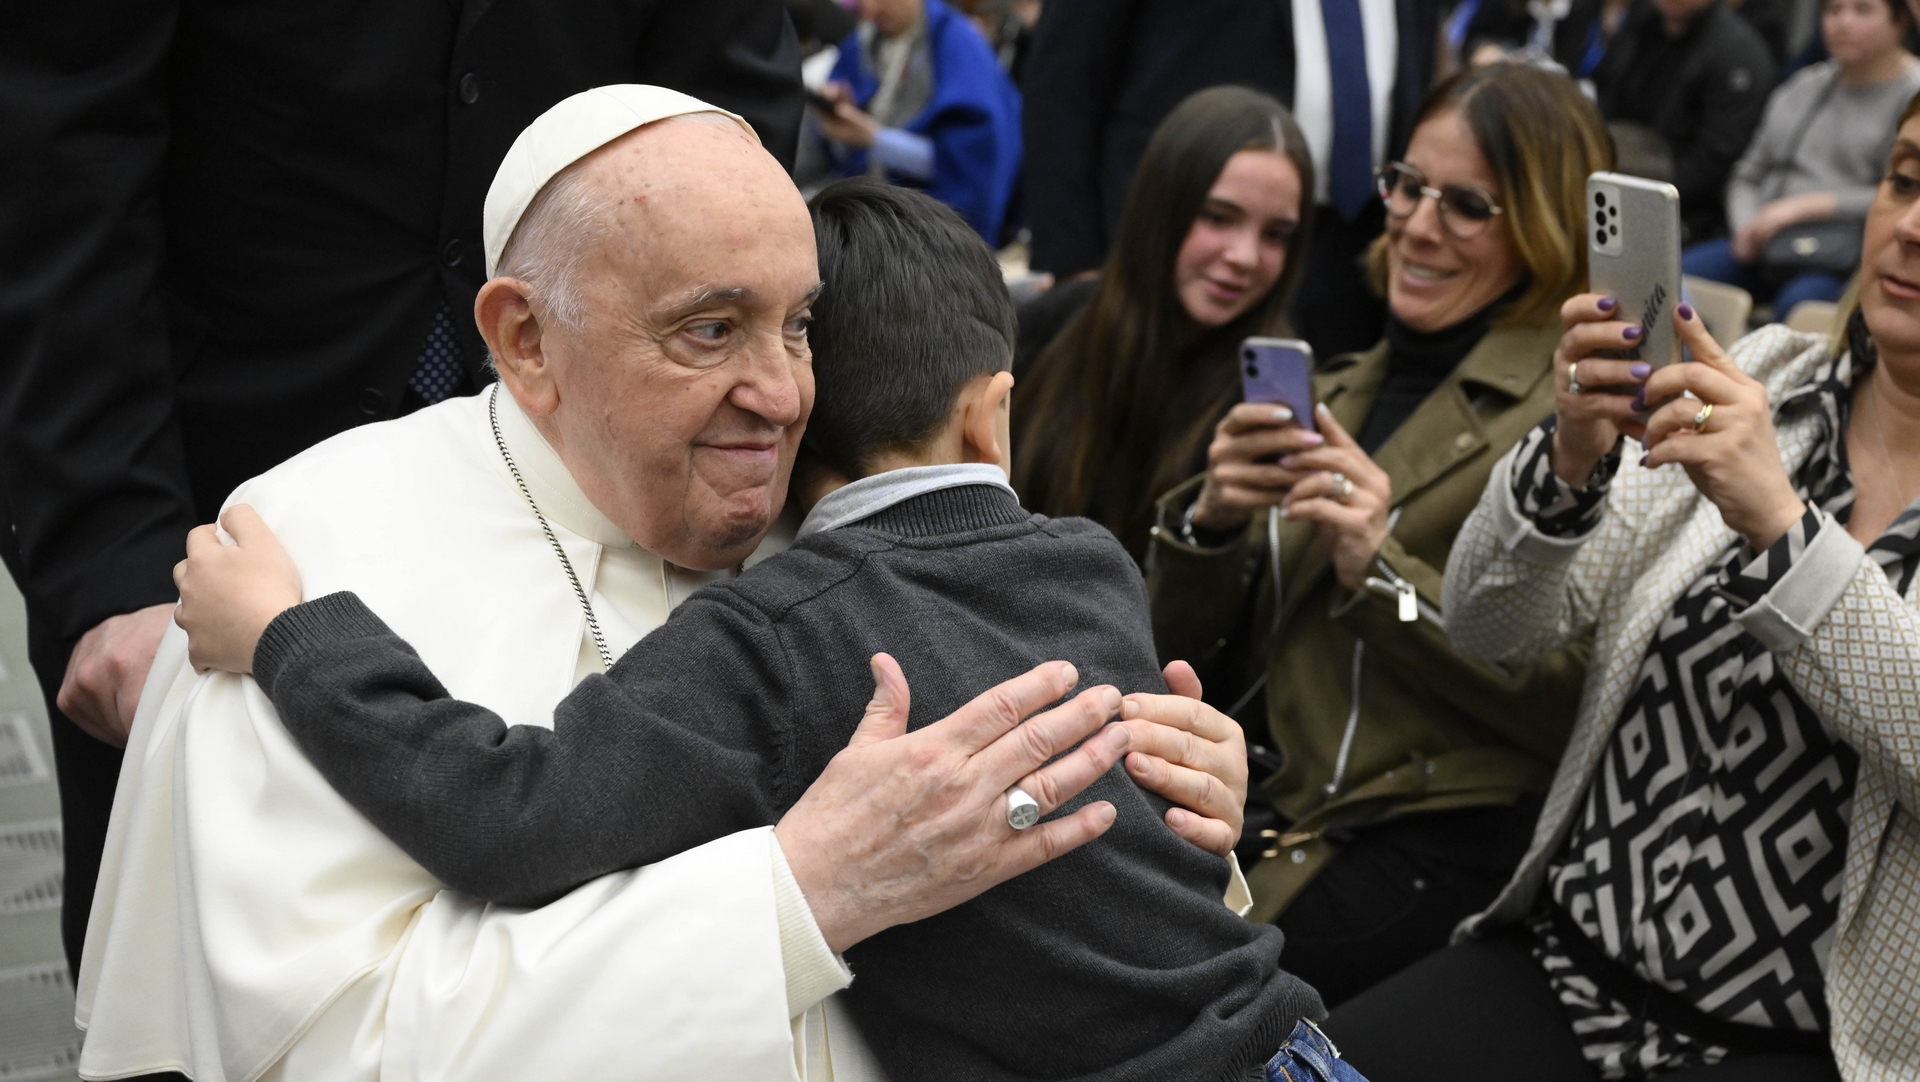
(1334, 308)
(1481, 1011)
(1396, 891)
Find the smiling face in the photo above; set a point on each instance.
(1860, 32)
(1237, 246)
(679, 402)
(1434, 278)
(1890, 255)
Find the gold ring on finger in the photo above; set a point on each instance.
(1342, 487)
(1700, 419)
(1573, 379)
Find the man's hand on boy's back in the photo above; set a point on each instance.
(1193, 755)
(230, 593)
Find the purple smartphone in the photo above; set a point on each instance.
(1279, 370)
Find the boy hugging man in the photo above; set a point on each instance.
(1115, 961)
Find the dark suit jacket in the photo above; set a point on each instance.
(228, 226)
(1706, 110)
(1104, 73)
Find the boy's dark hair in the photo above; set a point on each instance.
(914, 309)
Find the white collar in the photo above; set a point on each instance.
(548, 479)
(870, 495)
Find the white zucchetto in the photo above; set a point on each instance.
(569, 131)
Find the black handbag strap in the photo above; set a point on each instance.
(1785, 161)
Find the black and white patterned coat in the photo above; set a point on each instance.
(1846, 640)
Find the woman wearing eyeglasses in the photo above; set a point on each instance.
(1405, 777)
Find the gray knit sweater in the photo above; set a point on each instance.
(1116, 961)
(1843, 150)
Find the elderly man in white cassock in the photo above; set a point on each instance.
(654, 269)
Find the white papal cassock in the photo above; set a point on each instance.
(249, 923)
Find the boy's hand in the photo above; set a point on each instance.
(230, 593)
(1193, 755)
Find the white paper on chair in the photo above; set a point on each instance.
(38, 1039)
(20, 760)
(32, 867)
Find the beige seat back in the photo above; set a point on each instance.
(1814, 317)
(1724, 308)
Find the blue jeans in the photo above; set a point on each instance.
(1714, 259)
(1307, 1056)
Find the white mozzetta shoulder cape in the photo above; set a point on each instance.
(248, 921)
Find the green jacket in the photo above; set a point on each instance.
(1431, 730)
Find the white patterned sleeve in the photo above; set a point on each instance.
(1858, 666)
(1521, 572)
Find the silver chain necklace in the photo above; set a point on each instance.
(586, 606)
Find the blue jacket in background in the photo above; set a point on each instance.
(973, 120)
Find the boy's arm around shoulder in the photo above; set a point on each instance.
(683, 742)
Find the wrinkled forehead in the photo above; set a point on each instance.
(696, 209)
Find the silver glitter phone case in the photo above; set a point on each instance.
(1633, 255)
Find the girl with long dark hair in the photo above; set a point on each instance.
(1119, 406)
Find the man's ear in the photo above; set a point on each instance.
(986, 428)
(514, 338)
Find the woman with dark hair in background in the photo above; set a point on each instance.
(1117, 407)
(1408, 777)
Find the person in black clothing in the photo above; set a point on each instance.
(1576, 37)
(1117, 961)
(1698, 75)
(233, 232)
(1103, 76)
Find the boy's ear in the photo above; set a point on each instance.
(985, 427)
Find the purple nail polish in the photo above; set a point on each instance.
(1643, 459)
(1640, 400)
(1686, 312)
(1640, 371)
(1631, 334)
(1607, 304)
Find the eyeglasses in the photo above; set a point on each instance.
(1464, 210)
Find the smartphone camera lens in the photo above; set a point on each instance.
(1614, 229)
(1600, 199)
(1246, 354)
(1599, 217)
(1253, 370)
(1600, 236)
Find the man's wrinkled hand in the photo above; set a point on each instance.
(230, 593)
(1193, 755)
(108, 667)
(901, 825)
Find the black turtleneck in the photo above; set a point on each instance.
(1420, 361)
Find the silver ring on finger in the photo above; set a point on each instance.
(1342, 488)
(1022, 810)
(1573, 379)
(1700, 419)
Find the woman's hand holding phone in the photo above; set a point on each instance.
(1607, 402)
(1243, 472)
(1345, 495)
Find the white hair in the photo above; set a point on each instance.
(566, 218)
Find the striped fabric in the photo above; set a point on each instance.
(1557, 509)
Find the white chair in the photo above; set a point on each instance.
(1723, 308)
(1814, 317)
